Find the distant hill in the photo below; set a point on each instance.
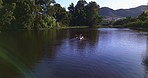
(133, 12)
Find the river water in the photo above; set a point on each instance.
(105, 53)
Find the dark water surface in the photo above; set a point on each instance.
(106, 53)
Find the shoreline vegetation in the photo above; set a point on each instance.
(63, 27)
(73, 27)
(47, 14)
(137, 23)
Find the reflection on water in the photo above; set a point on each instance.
(106, 53)
(145, 60)
(21, 50)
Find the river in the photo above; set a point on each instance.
(105, 53)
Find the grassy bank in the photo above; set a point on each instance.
(71, 27)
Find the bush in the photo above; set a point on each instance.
(145, 24)
(136, 24)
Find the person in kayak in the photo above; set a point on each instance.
(80, 37)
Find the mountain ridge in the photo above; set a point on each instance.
(133, 12)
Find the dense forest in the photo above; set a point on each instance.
(45, 14)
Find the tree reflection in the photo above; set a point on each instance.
(91, 35)
(83, 46)
(146, 60)
(23, 53)
(20, 51)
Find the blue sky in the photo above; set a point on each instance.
(114, 4)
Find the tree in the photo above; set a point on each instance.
(61, 15)
(45, 5)
(80, 14)
(1, 2)
(71, 9)
(38, 14)
(24, 14)
(136, 24)
(7, 16)
(41, 2)
(9, 1)
(92, 12)
(124, 21)
(84, 14)
(143, 16)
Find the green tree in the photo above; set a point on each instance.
(80, 14)
(44, 1)
(61, 15)
(145, 24)
(84, 14)
(24, 14)
(92, 14)
(7, 16)
(124, 21)
(71, 9)
(1, 2)
(136, 24)
(45, 5)
(9, 1)
(144, 16)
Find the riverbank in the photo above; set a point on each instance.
(140, 29)
(76, 27)
(72, 27)
(42, 29)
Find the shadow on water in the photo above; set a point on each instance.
(20, 51)
(22, 54)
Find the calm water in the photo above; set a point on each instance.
(106, 53)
